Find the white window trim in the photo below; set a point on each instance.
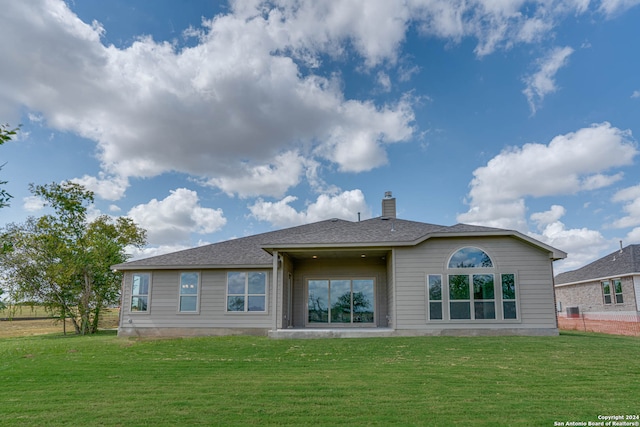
(148, 310)
(516, 300)
(615, 294)
(441, 300)
(498, 299)
(469, 300)
(246, 294)
(610, 294)
(493, 264)
(197, 295)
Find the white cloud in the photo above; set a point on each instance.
(135, 253)
(173, 219)
(633, 237)
(105, 187)
(635, 94)
(345, 205)
(615, 7)
(568, 164)
(238, 96)
(581, 244)
(234, 97)
(631, 198)
(543, 219)
(271, 180)
(358, 147)
(542, 82)
(375, 29)
(384, 81)
(494, 24)
(33, 203)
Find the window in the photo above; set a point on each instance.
(434, 283)
(470, 257)
(606, 291)
(617, 286)
(140, 292)
(459, 297)
(482, 299)
(474, 289)
(484, 303)
(247, 291)
(509, 309)
(189, 292)
(340, 301)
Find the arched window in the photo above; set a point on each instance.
(470, 257)
(472, 295)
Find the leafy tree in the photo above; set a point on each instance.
(6, 134)
(63, 261)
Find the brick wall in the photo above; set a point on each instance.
(588, 297)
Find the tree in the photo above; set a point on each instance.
(63, 261)
(6, 134)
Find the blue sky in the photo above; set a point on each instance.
(205, 121)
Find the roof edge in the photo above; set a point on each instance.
(595, 279)
(124, 267)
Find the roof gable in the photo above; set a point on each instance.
(621, 262)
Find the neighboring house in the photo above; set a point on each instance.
(606, 289)
(379, 277)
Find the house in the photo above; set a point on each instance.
(378, 277)
(606, 289)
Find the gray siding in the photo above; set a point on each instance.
(163, 304)
(534, 282)
(390, 290)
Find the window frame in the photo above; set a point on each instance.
(351, 279)
(603, 284)
(467, 300)
(469, 249)
(435, 301)
(138, 295)
(508, 300)
(189, 295)
(487, 296)
(472, 300)
(245, 295)
(475, 300)
(615, 283)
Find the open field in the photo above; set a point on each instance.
(441, 381)
(20, 328)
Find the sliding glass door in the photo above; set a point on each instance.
(340, 301)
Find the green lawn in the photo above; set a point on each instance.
(105, 380)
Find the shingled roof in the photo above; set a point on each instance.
(381, 232)
(619, 263)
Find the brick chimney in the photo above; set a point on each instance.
(388, 205)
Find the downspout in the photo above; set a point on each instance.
(274, 291)
(555, 303)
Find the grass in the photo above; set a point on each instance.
(244, 381)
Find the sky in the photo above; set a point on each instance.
(205, 121)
